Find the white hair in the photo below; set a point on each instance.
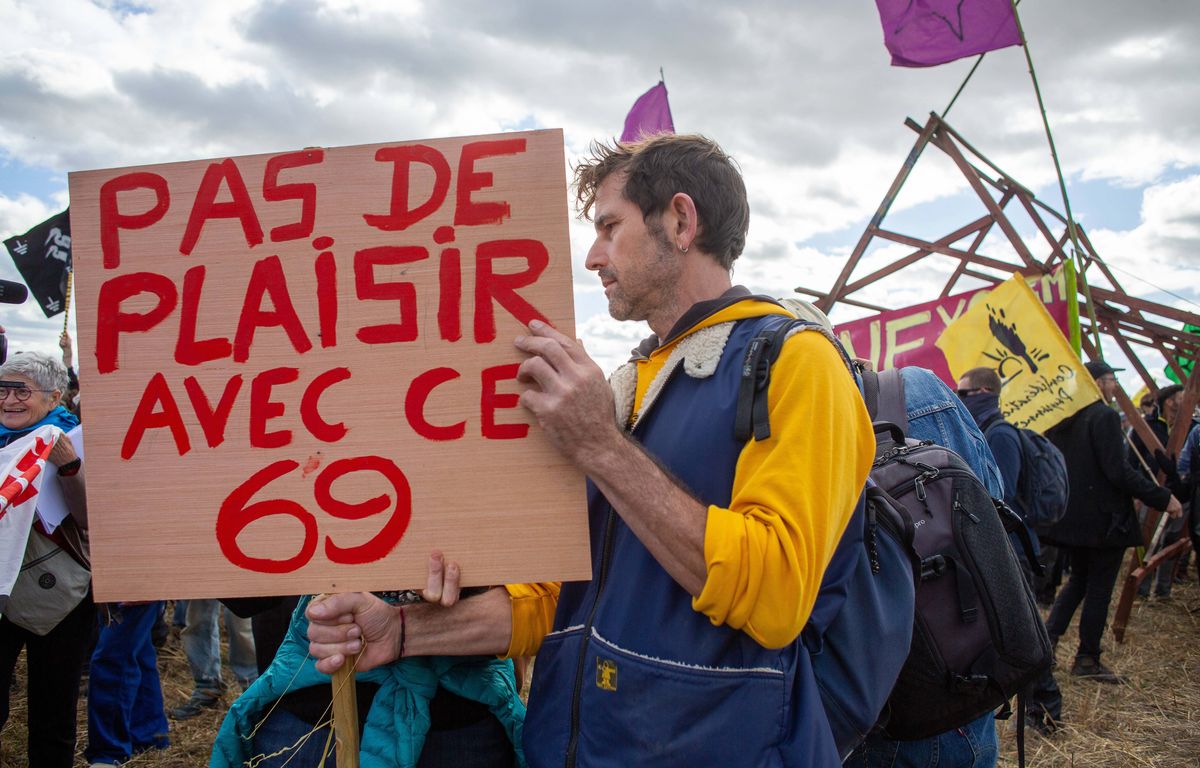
(46, 371)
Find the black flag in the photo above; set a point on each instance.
(43, 257)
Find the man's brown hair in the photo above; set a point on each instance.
(659, 167)
(983, 378)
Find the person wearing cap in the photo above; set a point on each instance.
(1166, 406)
(1100, 521)
(1166, 401)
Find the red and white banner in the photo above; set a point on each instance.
(21, 465)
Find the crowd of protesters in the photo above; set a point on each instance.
(708, 553)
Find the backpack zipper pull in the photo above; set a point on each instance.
(958, 507)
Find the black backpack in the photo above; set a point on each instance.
(977, 638)
(1042, 486)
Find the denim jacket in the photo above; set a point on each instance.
(935, 413)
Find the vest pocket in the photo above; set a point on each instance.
(640, 710)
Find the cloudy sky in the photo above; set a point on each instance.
(800, 92)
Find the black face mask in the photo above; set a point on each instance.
(982, 405)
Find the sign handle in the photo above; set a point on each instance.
(345, 714)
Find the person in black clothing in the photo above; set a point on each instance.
(1167, 401)
(979, 389)
(1100, 521)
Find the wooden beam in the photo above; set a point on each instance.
(1134, 302)
(1183, 416)
(1171, 361)
(1134, 579)
(958, 272)
(1056, 246)
(916, 255)
(835, 293)
(851, 302)
(1008, 180)
(947, 145)
(1129, 353)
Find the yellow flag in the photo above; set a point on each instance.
(1011, 332)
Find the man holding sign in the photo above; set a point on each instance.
(707, 553)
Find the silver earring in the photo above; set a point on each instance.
(683, 248)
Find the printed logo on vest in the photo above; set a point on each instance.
(606, 674)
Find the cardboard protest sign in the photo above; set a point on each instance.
(1043, 380)
(909, 336)
(299, 373)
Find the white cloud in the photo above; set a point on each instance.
(800, 93)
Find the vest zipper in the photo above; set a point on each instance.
(610, 527)
(605, 556)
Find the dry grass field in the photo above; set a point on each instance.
(1152, 722)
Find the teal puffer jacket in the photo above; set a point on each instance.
(399, 716)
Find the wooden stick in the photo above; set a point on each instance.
(67, 301)
(345, 714)
(345, 709)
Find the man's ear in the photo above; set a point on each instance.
(684, 222)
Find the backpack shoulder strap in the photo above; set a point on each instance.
(1018, 434)
(752, 417)
(891, 407)
(870, 392)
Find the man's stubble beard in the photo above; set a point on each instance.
(654, 284)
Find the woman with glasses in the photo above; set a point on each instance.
(31, 387)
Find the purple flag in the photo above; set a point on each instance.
(923, 33)
(650, 116)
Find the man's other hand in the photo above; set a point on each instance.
(1174, 508)
(442, 584)
(342, 625)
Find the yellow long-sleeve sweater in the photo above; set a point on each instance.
(793, 495)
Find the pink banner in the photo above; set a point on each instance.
(907, 336)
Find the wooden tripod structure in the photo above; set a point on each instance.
(1108, 309)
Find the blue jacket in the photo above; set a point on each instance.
(398, 720)
(936, 413)
(631, 674)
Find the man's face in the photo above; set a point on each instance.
(637, 264)
(1171, 406)
(1108, 387)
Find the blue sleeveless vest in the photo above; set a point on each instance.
(631, 674)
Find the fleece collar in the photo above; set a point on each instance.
(697, 350)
